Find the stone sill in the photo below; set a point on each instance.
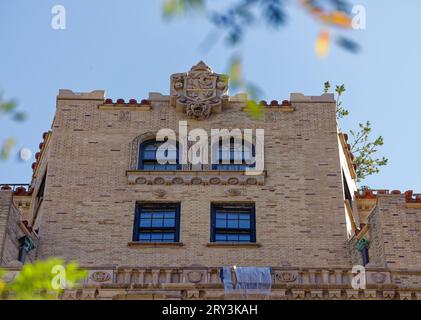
(233, 245)
(154, 244)
(190, 177)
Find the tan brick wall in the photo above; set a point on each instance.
(89, 206)
(5, 203)
(10, 232)
(395, 233)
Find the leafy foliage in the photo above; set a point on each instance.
(238, 16)
(172, 8)
(39, 281)
(8, 108)
(340, 110)
(237, 81)
(365, 151)
(7, 147)
(362, 147)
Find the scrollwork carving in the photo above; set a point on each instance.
(199, 91)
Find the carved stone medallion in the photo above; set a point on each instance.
(100, 276)
(285, 276)
(199, 91)
(378, 277)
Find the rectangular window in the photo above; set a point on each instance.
(157, 222)
(233, 223)
(347, 193)
(364, 255)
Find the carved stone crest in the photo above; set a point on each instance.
(378, 277)
(199, 91)
(194, 276)
(233, 192)
(160, 193)
(100, 276)
(285, 276)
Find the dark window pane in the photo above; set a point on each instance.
(157, 215)
(233, 216)
(220, 237)
(148, 159)
(232, 237)
(232, 224)
(149, 155)
(221, 223)
(169, 236)
(169, 223)
(157, 236)
(146, 223)
(151, 146)
(149, 167)
(144, 236)
(220, 215)
(169, 215)
(157, 223)
(244, 224)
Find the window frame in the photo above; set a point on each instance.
(233, 166)
(365, 256)
(251, 207)
(141, 160)
(346, 190)
(137, 229)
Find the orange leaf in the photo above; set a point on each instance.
(322, 44)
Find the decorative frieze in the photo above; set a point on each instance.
(182, 177)
(100, 276)
(200, 282)
(285, 276)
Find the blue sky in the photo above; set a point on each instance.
(127, 49)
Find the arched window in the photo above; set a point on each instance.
(234, 156)
(148, 158)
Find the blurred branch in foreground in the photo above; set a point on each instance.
(9, 109)
(238, 82)
(43, 280)
(238, 16)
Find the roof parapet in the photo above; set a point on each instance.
(410, 196)
(156, 96)
(65, 94)
(325, 97)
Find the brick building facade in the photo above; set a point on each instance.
(150, 231)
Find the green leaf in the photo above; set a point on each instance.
(254, 110)
(20, 116)
(235, 73)
(6, 148)
(173, 8)
(326, 87)
(37, 281)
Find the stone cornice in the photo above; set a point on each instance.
(39, 155)
(288, 283)
(348, 155)
(188, 177)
